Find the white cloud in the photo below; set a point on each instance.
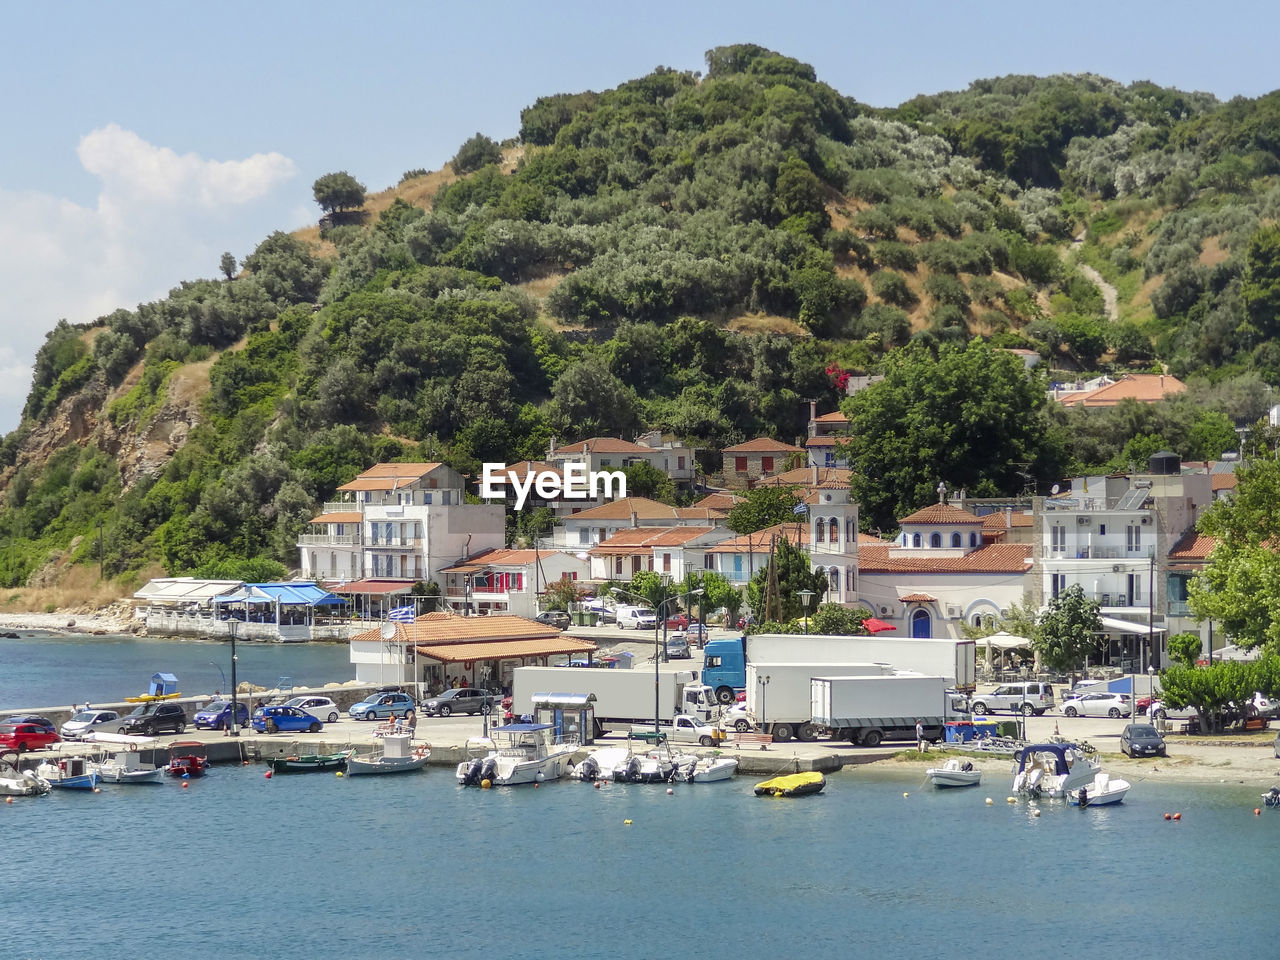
(160, 217)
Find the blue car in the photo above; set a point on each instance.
(275, 719)
(217, 715)
(381, 706)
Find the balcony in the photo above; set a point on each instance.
(396, 543)
(329, 540)
(1179, 608)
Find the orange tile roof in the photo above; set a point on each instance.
(869, 540)
(699, 513)
(759, 541)
(940, 513)
(523, 469)
(762, 445)
(1143, 387)
(993, 558)
(822, 441)
(338, 518)
(994, 522)
(504, 650)
(719, 501)
(642, 539)
(834, 477)
(1192, 548)
(499, 557)
(389, 476)
(449, 628)
(1223, 481)
(602, 445)
(643, 507)
(918, 598)
(836, 417)
(372, 587)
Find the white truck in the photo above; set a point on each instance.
(867, 710)
(685, 729)
(623, 697)
(778, 696)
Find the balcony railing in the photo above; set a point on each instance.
(1179, 608)
(329, 540)
(396, 543)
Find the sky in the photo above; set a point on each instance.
(140, 141)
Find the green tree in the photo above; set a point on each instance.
(971, 415)
(794, 573)
(1260, 290)
(479, 151)
(646, 480)
(248, 569)
(835, 620)
(1240, 586)
(338, 191)
(763, 507)
(228, 265)
(560, 593)
(1069, 631)
(1219, 690)
(1185, 648)
(719, 591)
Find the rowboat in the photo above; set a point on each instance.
(311, 762)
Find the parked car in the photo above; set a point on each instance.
(322, 708)
(1141, 740)
(1160, 710)
(736, 718)
(31, 718)
(217, 715)
(678, 647)
(155, 717)
(553, 618)
(459, 700)
(381, 706)
(678, 621)
(636, 618)
(26, 736)
(698, 633)
(283, 719)
(1030, 697)
(89, 721)
(1098, 705)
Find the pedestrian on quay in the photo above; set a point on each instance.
(919, 736)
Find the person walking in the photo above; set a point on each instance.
(919, 736)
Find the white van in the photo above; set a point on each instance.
(636, 618)
(1031, 697)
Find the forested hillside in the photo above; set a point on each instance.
(697, 253)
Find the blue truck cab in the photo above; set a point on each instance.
(724, 667)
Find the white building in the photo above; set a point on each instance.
(399, 521)
(505, 581)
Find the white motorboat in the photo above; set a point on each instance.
(954, 773)
(1102, 791)
(1053, 770)
(19, 783)
(398, 755)
(601, 763)
(522, 753)
(709, 769)
(126, 767)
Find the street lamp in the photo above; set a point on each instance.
(764, 685)
(657, 682)
(805, 596)
(233, 626)
(1151, 689)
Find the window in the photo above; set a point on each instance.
(1133, 538)
(583, 536)
(1058, 538)
(833, 576)
(935, 540)
(1102, 529)
(850, 533)
(973, 539)
(834, 527)
(617, 566)
(666, 563)
(313, 564)
(915, 539)
(955, 540)
(1059, 581)
(766, 464)
(850, 579)
(679, 463)
(386, 531)
(819, 530)
(606, 463)
(376, 565)
(708, 562)
(740, 464)
(373, 534)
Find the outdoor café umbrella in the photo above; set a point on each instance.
(875, 625)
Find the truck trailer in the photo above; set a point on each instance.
(623, 697)
(866, 710)
(778, 695)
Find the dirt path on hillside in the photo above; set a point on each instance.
(1109, 297)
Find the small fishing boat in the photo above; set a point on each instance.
(311, 762)
(792, 785)
(1053, 770)
(19, 783)
(398, 755)
(954, 773)
(126, 766)
(601, 763)
(709, 769)
(524, 753)
(187, 758)
(1272, 797)
(1102, 791)
(69, 773)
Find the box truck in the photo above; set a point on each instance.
(867, 710)
(778, 696)
(623, 697)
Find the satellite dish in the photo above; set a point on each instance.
(388, 631)
(1054, 489)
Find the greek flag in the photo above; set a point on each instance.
(799, 509)
(401, 614)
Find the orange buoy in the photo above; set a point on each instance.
(8, 799)
(1168, 816)
(185, 785)
(1177, 816)
(597, 784)
(267, 775)
(1257, 811)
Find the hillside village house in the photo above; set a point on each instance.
(398, 522)
(1105, 392)
(589, 527)
(507, 581)
(940, 573)
(671, 551)
(1113, 535)
(824, 433)
(746, 463)
(674, 459)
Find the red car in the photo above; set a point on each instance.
(677, 622)
(26, 736)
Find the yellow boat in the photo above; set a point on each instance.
(148, 697)
(792, 785)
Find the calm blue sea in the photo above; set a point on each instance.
(316, 866)
(49, 671)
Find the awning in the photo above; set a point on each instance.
(356, 517)
(374, 587)
(1003, 641)
(504, 649)
(1112, 625)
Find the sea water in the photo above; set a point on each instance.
(53, 670)
(317, 866)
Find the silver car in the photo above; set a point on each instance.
(91, 721)
(322, 708)
(1098, 705)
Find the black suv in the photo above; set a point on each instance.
(152, 718)
(464, 700)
